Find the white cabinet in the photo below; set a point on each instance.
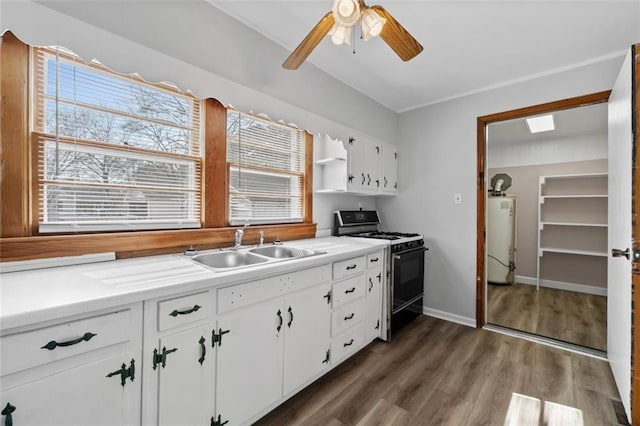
(84, 371)
(572, 231)
(357, 165)
(275, 339)
(249, 364)
(374, 280)
(179, 368)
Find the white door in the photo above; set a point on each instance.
(307, 339)
(357, 148)
(620, 201)
(249, 361)
(185, 383)
(389, 169)
(374, 305)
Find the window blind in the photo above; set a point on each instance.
(113, 152)
(266, 170)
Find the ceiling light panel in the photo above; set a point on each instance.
(541, 123)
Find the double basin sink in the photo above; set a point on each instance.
(239, 258)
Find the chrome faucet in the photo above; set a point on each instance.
(237, 239)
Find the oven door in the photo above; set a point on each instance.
(408, 277)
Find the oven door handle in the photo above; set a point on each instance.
(396, 256)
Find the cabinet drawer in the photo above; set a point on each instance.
(346, 291)
(375, 259)
(347, 268)
(32, 348)
(347, 316)
(347, 344)
(183, 310)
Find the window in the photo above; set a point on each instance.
(266, 163)
(113, 152)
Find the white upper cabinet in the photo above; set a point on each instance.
(358, 165)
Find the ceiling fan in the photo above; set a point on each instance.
(339, 23)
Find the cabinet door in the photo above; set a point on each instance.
(185, 383)
(374, 303)
(249, 362)
(81, 395)
(374, 164)
(357, 153)
(307, 340)
(389, 169)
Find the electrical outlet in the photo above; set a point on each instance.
(457, 198)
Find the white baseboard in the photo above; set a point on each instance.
(469, 322)
(579, 288)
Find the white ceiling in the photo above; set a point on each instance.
(591, 119)
(469, 46)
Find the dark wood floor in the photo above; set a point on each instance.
(577, 318)
(441, 373)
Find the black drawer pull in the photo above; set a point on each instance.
(53, 344)
(280, 320)
(176, 312)
(354, 266)
(125, 372)
(6, 411)
(348, 317)
(290, 317)
(364, 179)
(349, 343)
(203, 349)
(351, 290)
(374, 260)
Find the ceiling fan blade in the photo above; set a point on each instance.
(310, 42)
(397, 37)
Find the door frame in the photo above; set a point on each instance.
(482, 123)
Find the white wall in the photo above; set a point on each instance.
(210, 62)
(437, 150)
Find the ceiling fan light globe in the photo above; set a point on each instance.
(340, 34)
(371, 24)
(346, 12)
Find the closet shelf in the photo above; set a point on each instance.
(575, 196)
(333, 160)
(597, 253)
(594, 225)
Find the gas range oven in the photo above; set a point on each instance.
(405, 265)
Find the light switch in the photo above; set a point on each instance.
(457, 198)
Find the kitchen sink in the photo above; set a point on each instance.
(229, 259)
(282, 252)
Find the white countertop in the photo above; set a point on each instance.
(48, 294)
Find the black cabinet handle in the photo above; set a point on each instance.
(176, 312)
(370, 284)
(377, 325)
(395, 185)
(348, 317)
(203, 349)
(385, 182)
(290, 317)
(368, 179)
(218, 421)
(374, 260)
(7, 411)
(349, 343)
(377, 150)
(53, 344)
(161, 358)
(327, 356)
(328, 296)
(125, 372)
(364, 179)
(378, 183)
(351, 290)
(354, 266)
(279, 314)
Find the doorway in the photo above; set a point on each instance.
(547, 225)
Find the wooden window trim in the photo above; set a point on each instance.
(18, 225)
